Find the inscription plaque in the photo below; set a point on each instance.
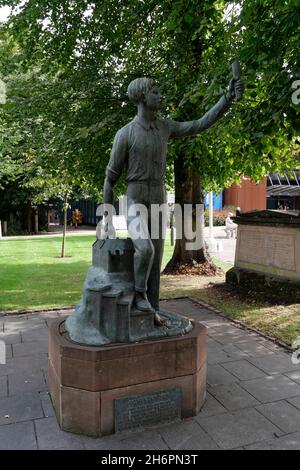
(148, 409)
(268, 249)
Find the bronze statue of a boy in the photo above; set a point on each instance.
(141, 147)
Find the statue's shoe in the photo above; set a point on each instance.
(158, 320)
(143, 305)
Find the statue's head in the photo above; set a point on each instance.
(145, 90)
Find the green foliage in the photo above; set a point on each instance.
(74, 60)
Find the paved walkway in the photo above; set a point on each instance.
(253, 399)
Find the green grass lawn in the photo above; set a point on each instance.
(33, 276)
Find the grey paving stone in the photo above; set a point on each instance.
(211, 343)
(10, 338)
(240, 428)
(35, 321)
(243, 370)
(295, 376)
(15, 325)
(217, 375)
(50, 436)
(290, 442)
(49, 315)
(26, 382)
(37, 334)
(8, 352)
(211, 407)
(254, 348)
(284, 415)
(3, 386)
(271, 388)
(46, 404)
(233, 397)
(275, 363)
(232, 349)
(295, 402)
(214, 322)
(144, 440)
(187, 435)
(18, 365)
(30, 348)
(271, 345)
(217, 355)
(232, 338)
(18, 436)
(20, 408)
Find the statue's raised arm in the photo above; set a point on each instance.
(235, 91)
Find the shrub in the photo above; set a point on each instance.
(219, 216)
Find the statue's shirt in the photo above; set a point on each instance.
(141, 146)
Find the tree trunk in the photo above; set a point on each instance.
(36, 221)
(28, 212)
(64, 228)
(187, 191)
(48, 219)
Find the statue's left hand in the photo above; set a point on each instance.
(236, 89)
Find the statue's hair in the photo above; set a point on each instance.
(139, 87)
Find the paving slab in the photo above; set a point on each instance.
(20, 408)
(290, 442)
(295, 376)
(10, 338)
(253, 392)
(254, 348)
(217, 375)
(37, 334)
(235, 338)
(30, 349)
(142, 440)
(240, 428)
(275, 363)
(295, 402)
(18, 436)
(50, 436)
(243, 370)
(21, 364)
(26, 382)
(271, 388)
(211, 407)
(283, 414)
(3, 386)
(217, 355)
(46, 404)
(233, 397)
(187, 435)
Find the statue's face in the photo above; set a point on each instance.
(153, 99)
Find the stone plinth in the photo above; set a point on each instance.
(268, 246)
(85, 381)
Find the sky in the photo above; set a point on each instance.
(4, 12)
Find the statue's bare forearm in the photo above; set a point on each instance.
(108, 191)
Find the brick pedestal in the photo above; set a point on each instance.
(84, 381)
